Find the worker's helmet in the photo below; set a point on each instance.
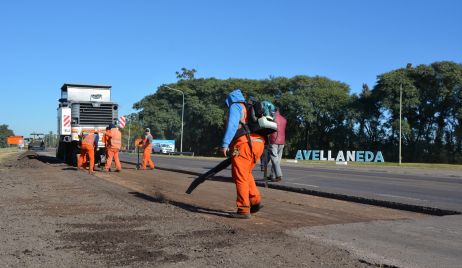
(147, 130)
(111, 126)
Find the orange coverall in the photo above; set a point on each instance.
(147, 145)
(106, 142)
(88, 144)
(243, 162)
(115, 139)
(242, 166)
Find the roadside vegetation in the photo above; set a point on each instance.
(322, 114)
(6, 153)
(384, 164)
(5, 131)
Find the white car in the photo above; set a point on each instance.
(162, 148)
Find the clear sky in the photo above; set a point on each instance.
(137, 45)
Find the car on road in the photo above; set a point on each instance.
(36, 145)
(162, 148)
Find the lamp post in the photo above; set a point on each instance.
(182, 116)
(400, 112)
(128, 141)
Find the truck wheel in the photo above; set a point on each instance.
(73, 154)
(59, 151)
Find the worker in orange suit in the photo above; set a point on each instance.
(88, 145)
(244, 154)
(146, 144)
(115, 140)
(106, 142)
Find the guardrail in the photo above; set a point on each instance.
(182, 153)
(170, 153)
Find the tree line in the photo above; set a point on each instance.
(322, 113)
(5, 131)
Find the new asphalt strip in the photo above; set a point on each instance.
(304, 189)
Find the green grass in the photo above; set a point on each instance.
(6, 153)
(328, 163)
(386, 164)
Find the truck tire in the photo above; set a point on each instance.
(73, 151)
(61, 152)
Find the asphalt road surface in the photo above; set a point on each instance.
(424, 187)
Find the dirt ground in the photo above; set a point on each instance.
(54, 216)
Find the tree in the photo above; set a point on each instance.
(367, 115)
(316, 108)
(51, 140)
(185, 74)
(4, 133)
(322, 114)
(134, 124)
(431, 97)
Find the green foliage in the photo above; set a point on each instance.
(133, 129)
(431, 110)
(205, 110)
(50, 139)
(322, 114)
(4, 133)
(186, 74)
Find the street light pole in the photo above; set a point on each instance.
(128, 141)
(182, 116)
(400, 112)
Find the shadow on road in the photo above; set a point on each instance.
(47, 159)
(70, 168)
(160, 198)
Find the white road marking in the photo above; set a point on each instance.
(305, 184)
(398, 196)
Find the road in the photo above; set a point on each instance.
(292, 230)
(430, 188)
(55, 216)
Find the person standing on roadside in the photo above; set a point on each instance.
(264, 158)
(276, 147)
(114, 137)
(244, 154)
(106, 142)
(146, 144)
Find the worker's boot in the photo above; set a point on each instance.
(255, 208)
(276, 179)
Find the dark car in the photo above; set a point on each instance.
(36, 145)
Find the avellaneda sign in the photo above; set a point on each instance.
(342, 156)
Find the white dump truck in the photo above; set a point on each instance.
(83, 108)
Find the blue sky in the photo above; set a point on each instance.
(136, 46)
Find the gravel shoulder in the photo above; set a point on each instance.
(54, 216)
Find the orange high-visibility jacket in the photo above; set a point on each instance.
(115, 139)
(89, 139)
(106, 139)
